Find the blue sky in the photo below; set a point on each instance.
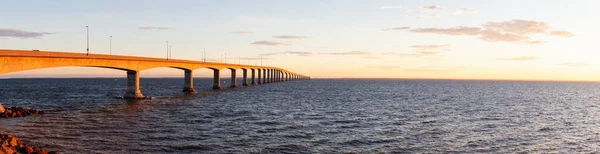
(336, 38)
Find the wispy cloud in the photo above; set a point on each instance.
(297, 53)
(385, 67)
(241, 32)
(347, 53)
(430, 8)
(435, 69)
(575, 64)
(269, 43)
(154, 27)
(422, 50)
(463, 10)
(562, 33)
(396, 28)
(291, 37)
(515, 31)
(15, 33)
(304, 53)
(450, 31)
(522, 58)
(390, 7)
(429, 47)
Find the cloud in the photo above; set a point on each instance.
(347, 53)
(463, 10)
(304, 53)
(575, 64)
(522, 58)
(241, 32)
(514, 31)
(297, 53)
(430, 8)
(390, 7)
(397, 28)
(450, 31)
(154, 28)
(21, 34)
(385, 67)
(422, 50)
(562, 33)
(469, 10)
(291, 37)
(269, 43)
(429, 47)
(435, 69)
(521, 27)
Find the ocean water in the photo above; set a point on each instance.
(309, 116)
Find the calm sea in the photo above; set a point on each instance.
(312, 116)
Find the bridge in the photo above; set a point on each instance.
(21, 60)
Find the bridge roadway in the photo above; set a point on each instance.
(21, 60)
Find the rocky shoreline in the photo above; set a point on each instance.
(12, 145)
(18, 112)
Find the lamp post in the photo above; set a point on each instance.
(167, 50)
(110, 45)
(87, 29)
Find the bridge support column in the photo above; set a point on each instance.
(188, 86)
(233, 81)
(258, 75)
(216, 79)
(245, 77)
(253, 79)
(133, 86)
(267, 76)
(272, 78)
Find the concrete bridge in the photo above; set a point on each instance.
(21, 60)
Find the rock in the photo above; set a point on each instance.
(13, 141)
(29, 149)
(2, 109)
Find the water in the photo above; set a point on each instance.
(314, 116)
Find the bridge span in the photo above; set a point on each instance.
(21, 60)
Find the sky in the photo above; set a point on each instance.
(424, 39)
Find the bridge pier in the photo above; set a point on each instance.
(245, 77)
(272, 76)
(253, 79)
(133, 86)
(216, 79)
(233, 81)
(258, 75)
(267, 75)
(188, 86)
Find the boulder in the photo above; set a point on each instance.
(2, 109)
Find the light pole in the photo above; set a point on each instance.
(204, 55)
(167, 50)
(87, 29)
(110, 45)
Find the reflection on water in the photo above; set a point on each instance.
(315, 116)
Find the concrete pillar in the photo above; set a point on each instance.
(264, 76)
(133, 86)
(216, 79)
(253, 79)
(245, 77)
(233, 81)
(272, 75)
(258, 75)
(188, 86)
